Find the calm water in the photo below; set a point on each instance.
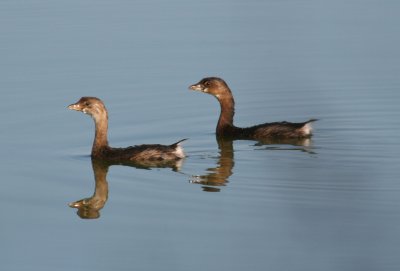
(329, 204)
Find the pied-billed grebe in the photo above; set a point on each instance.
(101, 150)
(225, 127)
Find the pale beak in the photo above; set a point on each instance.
(197, 87)
(74, 107)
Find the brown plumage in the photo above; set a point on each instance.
(225, 127)
(148, 154)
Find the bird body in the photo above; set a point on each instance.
(226, 129)
(141, 153)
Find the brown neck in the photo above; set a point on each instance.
(100, 139)
(227, 112)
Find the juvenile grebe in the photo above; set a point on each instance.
(225, 127)
(101, 150)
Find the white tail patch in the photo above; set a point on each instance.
(179, 151)
(307, 129)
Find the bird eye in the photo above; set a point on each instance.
(207, 83)
(86, 103)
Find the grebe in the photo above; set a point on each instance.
(225, 127)
(101, 150)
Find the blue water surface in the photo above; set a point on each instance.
(329, 204)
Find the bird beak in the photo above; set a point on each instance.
(75, 106)
(197, 87)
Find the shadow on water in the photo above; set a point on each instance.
(89, 208)
(219, 175)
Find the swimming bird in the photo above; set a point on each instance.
(218, 88)
(142, 154)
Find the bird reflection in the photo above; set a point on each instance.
(89, 208)
(219, 175)
(290, 144)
